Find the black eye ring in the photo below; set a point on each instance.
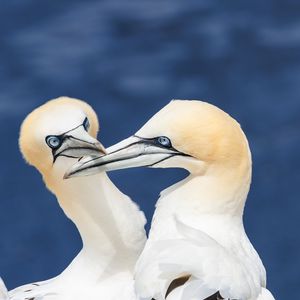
(86, 124)
(53, 141)
(164, 141)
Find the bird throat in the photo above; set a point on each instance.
(90, 203)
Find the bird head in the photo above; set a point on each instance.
(194, 135)
(57, 134)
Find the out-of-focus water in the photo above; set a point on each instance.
(128, 59)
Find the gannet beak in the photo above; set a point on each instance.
(76, 144)
(132, 152)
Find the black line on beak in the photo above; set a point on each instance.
(77, 139)
(126, 158)
(63, 137)
(146, 141)
(69, 156)
(71, 148)
(171, 155)
(125, 147)
(71, 129)
(108, 162)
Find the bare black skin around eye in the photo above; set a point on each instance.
(55, 141)
(86, 124)
(164, 141)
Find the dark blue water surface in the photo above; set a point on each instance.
(128, 59)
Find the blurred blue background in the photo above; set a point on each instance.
(128, 59)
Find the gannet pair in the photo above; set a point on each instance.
(197, 247)
(52, 138)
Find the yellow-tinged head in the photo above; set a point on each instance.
(56, 134)
(200, 130)
(189, 134)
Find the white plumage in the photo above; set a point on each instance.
(213, 250)
(111, 226)
(197, 247)
(3, 291)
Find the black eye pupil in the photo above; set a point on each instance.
(164, 141)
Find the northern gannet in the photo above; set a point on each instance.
(197, 246)
(111, 226)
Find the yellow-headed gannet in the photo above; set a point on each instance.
(197, 247)
(111, 226)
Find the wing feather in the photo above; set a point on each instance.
(213, 269)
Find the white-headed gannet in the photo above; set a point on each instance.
(111, 226)
(197, 247)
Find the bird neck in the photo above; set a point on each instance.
(110, 224)
(204, 201)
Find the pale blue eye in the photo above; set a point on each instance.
(53, 141)
(164, 141)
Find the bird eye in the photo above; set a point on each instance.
(164, 141)
(53, 141)
(86, 124)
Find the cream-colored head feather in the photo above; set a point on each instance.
(54, 117)
(201, 130)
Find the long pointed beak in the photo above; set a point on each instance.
(78, 143)
(131, 152)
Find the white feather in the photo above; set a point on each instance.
(110, 224)
(3, 291)
(212, 248)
